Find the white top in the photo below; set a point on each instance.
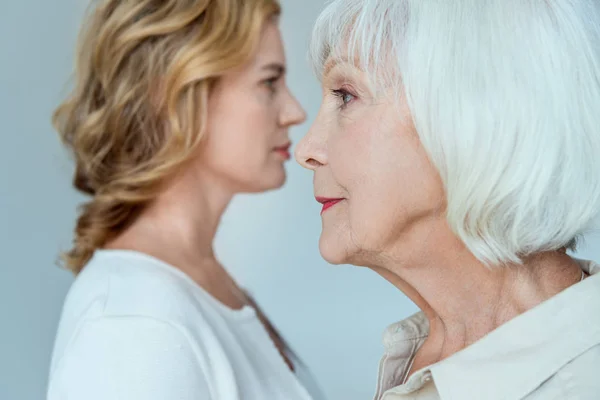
(135, 328)
(550, 352)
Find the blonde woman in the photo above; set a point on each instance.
(177, 106)
(456, 153)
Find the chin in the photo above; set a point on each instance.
(331, 251)
(277, 177)
(276, 182)
(269, 181)
(280, 181)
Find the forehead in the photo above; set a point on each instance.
(270, 46)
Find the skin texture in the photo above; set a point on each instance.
(363, 148)
(250, 112)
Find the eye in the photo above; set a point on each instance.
(271, 83)
(344, 96)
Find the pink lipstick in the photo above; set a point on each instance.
(284, 151)
(327, 202)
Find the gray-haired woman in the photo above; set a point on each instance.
(457, 154)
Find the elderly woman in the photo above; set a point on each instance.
(456, 153)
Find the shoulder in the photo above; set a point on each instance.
(137, 337)
(119, 283)
(580, 377)
(135, 357)
(129, 293)
(576, 380)
(131, 323)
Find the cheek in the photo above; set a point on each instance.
(389, 181)
(239, 141)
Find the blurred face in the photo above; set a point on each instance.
(370, 172)
(250, 111)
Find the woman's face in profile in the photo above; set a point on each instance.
(364, 150)
(250, 111)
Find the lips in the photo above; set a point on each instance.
(328, 202)
(284, 151)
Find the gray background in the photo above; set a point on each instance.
(332, 315)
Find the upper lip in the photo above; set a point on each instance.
(324, 200)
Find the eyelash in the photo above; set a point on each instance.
(341, 95)
(270, 83)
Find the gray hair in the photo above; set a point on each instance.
(505, 97)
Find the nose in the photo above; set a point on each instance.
(311, 151)
(292, 113)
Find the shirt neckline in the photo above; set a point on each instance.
(247, 312)
(525, 339)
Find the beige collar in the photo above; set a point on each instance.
(540, 342)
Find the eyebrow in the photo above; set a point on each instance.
(275, 67)
(334, 61)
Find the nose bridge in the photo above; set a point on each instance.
(293, 113)
(310, 151)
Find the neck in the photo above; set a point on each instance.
(462, 298)
(179, 228)
(180, 225)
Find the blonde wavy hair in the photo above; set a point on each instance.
(137, 112)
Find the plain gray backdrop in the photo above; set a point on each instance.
(333, 315)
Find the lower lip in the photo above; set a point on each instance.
(329, 204)
(284, 153)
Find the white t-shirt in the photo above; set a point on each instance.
(135, 328)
